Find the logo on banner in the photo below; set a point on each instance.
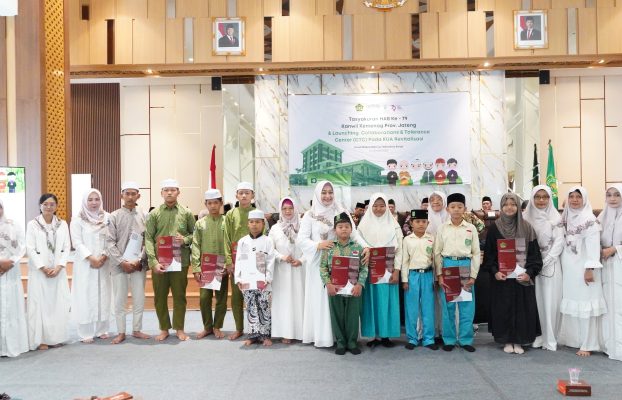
(359, 107)
(384, 5)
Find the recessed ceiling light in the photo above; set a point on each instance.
(601, 61)
(486, 64)
(149, 71)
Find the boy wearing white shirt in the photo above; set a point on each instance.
(254, 268)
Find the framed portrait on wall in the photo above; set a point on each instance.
(530, 29)
(228, 37)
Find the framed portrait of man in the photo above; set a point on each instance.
(228, 37)
(530, 29)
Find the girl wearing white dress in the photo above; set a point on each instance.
(47, 246)
(545, 220)
(13, 328)
(91, 285)
(583, 304)
(289, 275)
(611, 241)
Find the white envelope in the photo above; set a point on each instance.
(174, 267)
(464, 296)
(347, 290)
(517, 271)
(386, 277)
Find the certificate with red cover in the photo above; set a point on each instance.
(506, 255)
(381, 262)
(451, 278)
(169, 253)
(212, 269)
(344, 274)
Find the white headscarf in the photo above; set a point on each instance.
(435, 218)
(93, 217)
(542, 221)
(291, 225)
(324, 211)
(580, 222)
(611, 221)
(378, 231)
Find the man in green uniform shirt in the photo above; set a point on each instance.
(209, 238)
(170, 219)
(236, 227)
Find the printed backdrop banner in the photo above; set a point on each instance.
(13, 194)
(393, 139)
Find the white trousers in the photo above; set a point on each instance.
(122, 284)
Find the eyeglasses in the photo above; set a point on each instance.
(541, 197)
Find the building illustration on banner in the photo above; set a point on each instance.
(323, 161)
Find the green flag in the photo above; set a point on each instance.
(551, 179)
(535, 180)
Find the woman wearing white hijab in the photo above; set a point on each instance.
(611, 241)
(381, 302)
(545, 220)
(316, 234)
(91, 285)
(13, 328)
(47, 245)
(437, 211)
(288, 284)
(583, 304)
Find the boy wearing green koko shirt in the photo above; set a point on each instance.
(170, 219)
(236, 227)
(345, 311)
(209, 237)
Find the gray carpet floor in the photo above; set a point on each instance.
(220, 369)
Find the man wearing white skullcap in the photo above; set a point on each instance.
(170, 219)
(208, 238)
(236, 227)
(129, 268)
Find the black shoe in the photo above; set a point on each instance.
(373, 343)
(448, 347)
(387, 343)
(340, 351)
(438, 340)
(469, 348)
(356, 351)
(410, 346)
(432, 346)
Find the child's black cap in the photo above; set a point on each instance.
(418, 214)
(342, 217)
(456, 198)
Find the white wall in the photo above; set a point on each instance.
(168, 127)
(581, 113)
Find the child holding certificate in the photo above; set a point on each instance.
(345, 308)
(381, 300)
(418, 281)
(208, 241)
(457, 250)
(512, 256)
(254, 268)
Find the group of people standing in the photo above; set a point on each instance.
(567, 290)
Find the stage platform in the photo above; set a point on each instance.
(220, 369)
